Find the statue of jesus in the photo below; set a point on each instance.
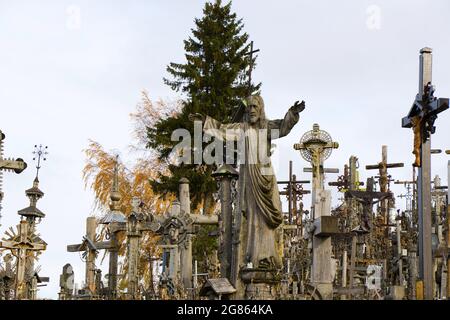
(259, 200)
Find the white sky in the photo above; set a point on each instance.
(355, 63)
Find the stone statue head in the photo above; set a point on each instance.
(255, 110)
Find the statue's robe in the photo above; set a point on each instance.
(259, 199)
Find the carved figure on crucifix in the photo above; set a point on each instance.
(22, 245)
(367, 200)
(315, 146)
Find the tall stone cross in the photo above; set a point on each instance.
(20, 246)
(315, 146)
(421, 118)
(8, 164)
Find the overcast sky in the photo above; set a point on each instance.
(73, 70)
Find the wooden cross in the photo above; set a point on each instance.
(366, 199)
(8, 164)
(91, 247)
(421, 118)
(20, 248)
(384, 181)
(349, 180)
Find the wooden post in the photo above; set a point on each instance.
(344, 273)
(399, 251)
(133, 237)
(352, 261)
(448, 227)
(186, 248)
(113, 264)
(91, 226)
(225, 175)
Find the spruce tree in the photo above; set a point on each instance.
(214, 79)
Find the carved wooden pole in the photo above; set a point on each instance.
(225, 175)
(133, 236)
(91, 226)
(186, 248)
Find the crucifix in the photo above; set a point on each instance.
(384, 179)
(8, 164)
(294, 192)
(366, 199)
(385, 204)
(26, 275)
(349, 181)
(421, 118)
(21, 246)
(315, 147)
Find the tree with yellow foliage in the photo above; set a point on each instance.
(98, 175)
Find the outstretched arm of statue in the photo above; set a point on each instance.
(286, 124)
(298, 107)
(216, 129)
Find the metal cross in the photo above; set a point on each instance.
(39, 152)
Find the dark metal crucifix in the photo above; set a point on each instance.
(421, 118)
(366, 198)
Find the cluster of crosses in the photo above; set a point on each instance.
(353, 251)
(19, 277)
(176, 229)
